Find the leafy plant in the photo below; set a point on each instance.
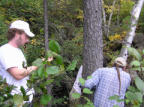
(84, 90)
(39, 79)
(135, 94)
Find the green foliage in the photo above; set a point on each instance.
(54, 46)
(5, 95)
(47, 70)
(65, 26)
(72, 65)
(87, 91)
(39, 79)
(117, 98)
(84, 90)
(134, 53)
(89, 77)
(45, 99)
(52, 70)
(18, 100)
(135, 96)
(76, 95)
(56, 101)
(140, 84)
(82, 81)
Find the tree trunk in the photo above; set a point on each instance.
(92, 38)
(118, 13)
(104, 20)
(110, 17)
(45, 25)
(130, 35)
(46, 42)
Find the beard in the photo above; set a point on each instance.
(19, 41)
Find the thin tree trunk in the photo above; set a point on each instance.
(45, 25)
(46, 42)
(104, 20)
(118, 13)
(110, 17)
(130, 35)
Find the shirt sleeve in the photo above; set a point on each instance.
(96, 76)
(8, 60)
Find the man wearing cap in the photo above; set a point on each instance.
(109, 82)
(13, 65)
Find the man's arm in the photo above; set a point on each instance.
(19, 74)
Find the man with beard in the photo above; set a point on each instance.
(13, 65)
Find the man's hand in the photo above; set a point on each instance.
(49, 59)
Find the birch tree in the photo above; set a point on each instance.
(135, 13)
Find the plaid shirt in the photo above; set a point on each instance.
(106, 84)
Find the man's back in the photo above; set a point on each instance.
(106, 84)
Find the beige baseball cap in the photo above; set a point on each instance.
(19, 24)
(120, 61)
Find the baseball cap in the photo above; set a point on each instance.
(120, 61)
(19, 24)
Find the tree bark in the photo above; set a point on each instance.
(92, 38)
(135, 13)
(46, 43)
(45, 25)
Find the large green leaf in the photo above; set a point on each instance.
(135, 63)
(82, 81)
(134, 96)
(52, 70)
(89, 104)
(18, 99)
(48, 54)
(132, 89)
(40, 72)
(87, 91)
(138, 68)
(23, 91)
(114, 97)
(89, 77)
(59, 59)
(72, 65)
(76, 95)
(42, 87)
(135, 53)
(45, 99)
(140, 84)
(38, 62)
(54, 46)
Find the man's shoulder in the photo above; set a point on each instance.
(105, 68)
(3, 47)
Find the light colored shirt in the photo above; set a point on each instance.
(76, 83)
(106, 84)
(13, 57)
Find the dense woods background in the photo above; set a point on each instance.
(65, 19)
